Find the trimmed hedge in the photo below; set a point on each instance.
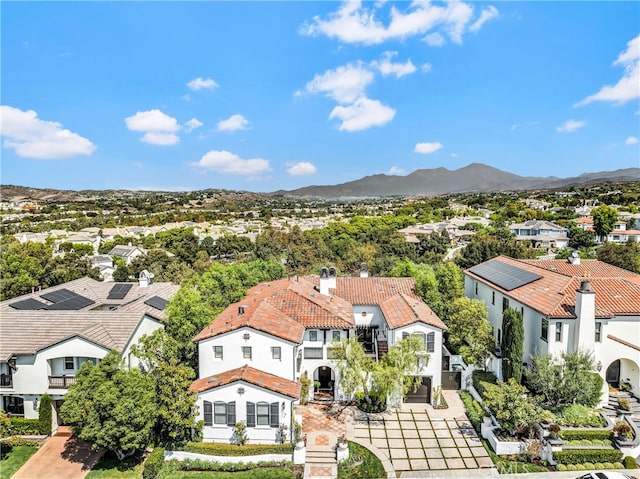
(201, 465)
(580, 456)
(474, 410)
(153, 464)
(481, 379)
(577, 434)
(22, 427)
(14, 441)
(629, 462)
(220, 449)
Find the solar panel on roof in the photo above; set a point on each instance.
(28, 304)
(58, 295)
(119, 291)
(73, 303)
(157, 302)
(506, 276)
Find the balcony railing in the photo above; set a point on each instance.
(61, 382)
(6, 380)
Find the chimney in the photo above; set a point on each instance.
(145, 278)
(333, 274)
(324, 281)
(585, 316)
(364, 270)
(574, 258)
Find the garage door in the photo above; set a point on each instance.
(422, 394)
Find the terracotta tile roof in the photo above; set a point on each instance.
(251, 376)
(402, 310)
(282, 308)
(617, 291)
(372, 290)
(585, 220)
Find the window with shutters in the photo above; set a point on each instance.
(208, 413)
(262, 414)
(431, 342)
(220, 412)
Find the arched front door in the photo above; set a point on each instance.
(613, 374)
(324, 383)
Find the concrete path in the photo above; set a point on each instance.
(61, 457)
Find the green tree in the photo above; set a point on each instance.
(604, 219)
(469, 330)
(512, 344)
(626, 255)
(354, 367)
(111, 407)
(489, 244)
(44, 414)
(511, 406)
(579, 238)
(397, 373)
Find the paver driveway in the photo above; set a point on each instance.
(413, 441)
(61, 457)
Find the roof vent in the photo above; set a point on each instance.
(585, 286)
(240, 309)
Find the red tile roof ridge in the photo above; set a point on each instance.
(250, 375)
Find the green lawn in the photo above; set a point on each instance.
(362, 464)
(109, 467)
(11, 459)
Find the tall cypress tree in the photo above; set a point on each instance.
(512, 344)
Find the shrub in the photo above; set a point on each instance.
(571, 467)
(480, 377)
(377, 404)
(561, 467)
(474, 410)
(15, 441)
(580, 456)
(202, 465)
(588, 465)
(580, 467)
(44, 414)
(622, 429)
(153, 464)
(21, 426)
(240, 433)
(629, 462)
(607, 465)
(577, 415)
(572, 435)
(624, 403)
(218, 449)
(618, 465)
(598, 465)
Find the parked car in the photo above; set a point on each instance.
(606, 475)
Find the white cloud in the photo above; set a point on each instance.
(362, 114)
(233, 123)
(631, 140)
(387, 67)
(394, 170)
(32, 137)
(202, 84)
(570, 126)
(427, 148)
(192, 125)
(434, 40)
(160, 138)
(222, 161)
(628, 87)
(159, 127)
(354, 23)
(426, 67)
(486, 15)
(454, 155)
(344, 84)
(302, 168)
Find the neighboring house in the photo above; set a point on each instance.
(104, 263)
(619, 234)
(253, 354)
(128, 253)
(541, 234)
(566, 305)
(46, 336)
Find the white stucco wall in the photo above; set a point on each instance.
(147, 325)
(434, 365)
(261, 354)
(252, 393)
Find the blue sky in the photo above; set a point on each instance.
(261, 96)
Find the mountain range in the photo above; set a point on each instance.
(475, 177)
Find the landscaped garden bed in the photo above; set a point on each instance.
(361, 464)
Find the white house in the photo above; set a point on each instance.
(46, 336)
(541, 234)
(127, 252)
(284, 329)
(566, 305)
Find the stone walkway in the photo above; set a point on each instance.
(414, 441)
(61, 457)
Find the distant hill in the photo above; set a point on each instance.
(474, 177)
